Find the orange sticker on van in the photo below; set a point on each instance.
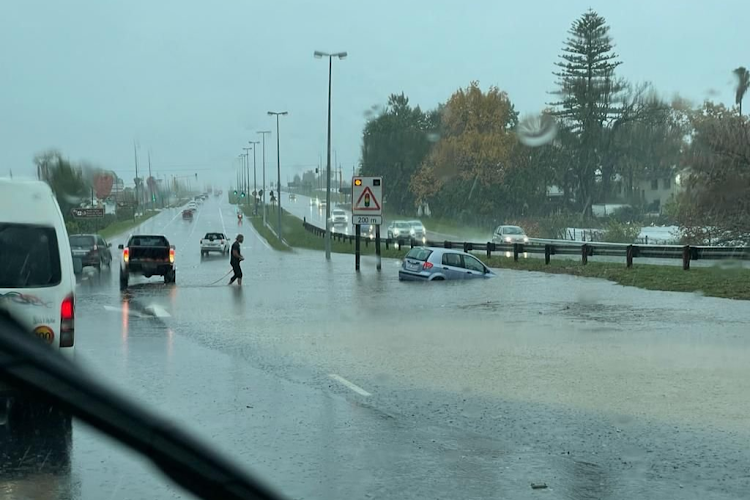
(45, 333)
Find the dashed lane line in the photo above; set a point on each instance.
(354, 387)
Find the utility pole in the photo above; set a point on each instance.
(263, 188)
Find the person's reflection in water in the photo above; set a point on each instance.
(239, 308)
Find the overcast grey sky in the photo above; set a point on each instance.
(192, 80)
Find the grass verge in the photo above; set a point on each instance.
(710, 281)
(267, 234)
(122, 226)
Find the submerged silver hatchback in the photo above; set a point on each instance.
(437, 264)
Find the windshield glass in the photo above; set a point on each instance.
(593, 156)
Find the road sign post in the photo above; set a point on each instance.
(357, 232)
(367, 208)
(377, 245)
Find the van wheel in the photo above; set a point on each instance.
(439, 278)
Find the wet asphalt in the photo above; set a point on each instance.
(331, 384)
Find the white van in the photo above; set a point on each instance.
(37, 282)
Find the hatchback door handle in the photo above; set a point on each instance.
(445, 268)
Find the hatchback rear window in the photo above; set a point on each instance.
(29, 256)
(214, 236)
(81, 241)
(421, 254)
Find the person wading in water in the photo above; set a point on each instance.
(235, 259)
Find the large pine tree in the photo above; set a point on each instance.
(589, 96)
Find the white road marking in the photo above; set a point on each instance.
(157, 311)
(350, 385)
(222, 222)
(260, 238)
(121, 310)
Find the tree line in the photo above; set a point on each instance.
(475, 159)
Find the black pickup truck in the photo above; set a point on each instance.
(147, 255)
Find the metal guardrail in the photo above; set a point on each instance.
(561, 247)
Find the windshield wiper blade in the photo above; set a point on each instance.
(28, 364)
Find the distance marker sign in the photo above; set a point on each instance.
(367, 200)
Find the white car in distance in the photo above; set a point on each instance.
(214, 242)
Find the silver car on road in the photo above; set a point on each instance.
(437, 264)
(509, 234)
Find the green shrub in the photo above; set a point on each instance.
(618, 232)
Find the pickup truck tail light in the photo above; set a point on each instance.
(171, 255)
(427, 265)
(126, 254)
(67, 321)
(95, 248)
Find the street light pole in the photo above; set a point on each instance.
(242, 179)
(247, 158)
(330, 57)
(263, 133)
(255, 180)
(278, 167)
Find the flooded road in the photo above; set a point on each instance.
(331, 384)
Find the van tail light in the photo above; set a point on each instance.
(171, 255)
(427, 265)
(95, 248)
(126, 254)
(67, 321)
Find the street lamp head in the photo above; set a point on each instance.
(318, 54)
(341, 55)
(264, 132)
